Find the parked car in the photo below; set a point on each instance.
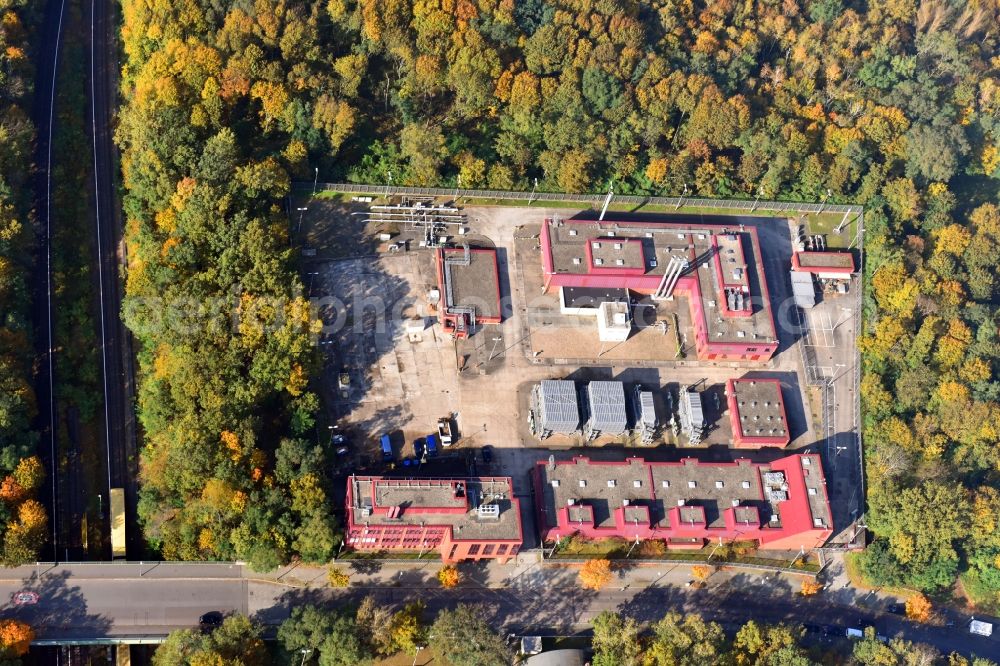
(487, 453)
(896, 609)
(210, 621)
(387, 455)
(418, 448)
(432, 447)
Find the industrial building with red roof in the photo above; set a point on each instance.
(757, 413)
(824, 264)
(475, 518)
(781, 505)
(717, 268)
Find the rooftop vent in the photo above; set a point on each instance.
(720, 485)
(625, 502)
(489, 511)
(818, 522)
(666, 484)
(583, 483)
(812, 491)
(618, 246)
(692, 484)
(806, 461)
(637, 484)
(611, 483)
(620, 262)
(577, 261)
(573, 232)
(598, 262)
(555, 483)
(596, 245)
(735, 502)
(680, 502)
(570, 502)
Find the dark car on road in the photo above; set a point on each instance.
(210, 621)
(487, 453)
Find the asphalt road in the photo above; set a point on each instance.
(49, 38)
(144, 600)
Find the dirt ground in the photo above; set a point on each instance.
(405, 374)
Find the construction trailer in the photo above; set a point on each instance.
(117, 523)
(692, 414)
(605, 409)
(556, 408)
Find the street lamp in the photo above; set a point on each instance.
(306, 653)
(419, 648)
(302, 211)
(315, 181)
(680, 201)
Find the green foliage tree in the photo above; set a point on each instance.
(236, 641)
(463, 637)
(616, 640)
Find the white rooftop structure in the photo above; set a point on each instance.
(557, 408)
(802, 289)
(692, 416)
(614, 321)
(606, 402)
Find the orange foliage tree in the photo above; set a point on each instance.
(449, 577)
(918, 608)
(15, 637)
(701, 572)
(810, 587)
(595, 574)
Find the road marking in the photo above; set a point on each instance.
(48, 282)
(100, 248)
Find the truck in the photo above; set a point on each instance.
(981, 628)
(386, 449)
(117, 523)
(446, 431)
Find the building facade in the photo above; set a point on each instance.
(782, 505)
(474, 518)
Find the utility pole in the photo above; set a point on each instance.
(823, 205)
(458, 186)
(760, 191)
(315, 181)
(680, 201)
(611, 193)
(531, 197)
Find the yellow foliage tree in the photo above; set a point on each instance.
(15, 637)
(918, 608)
(29, 473)
(701, 572)
(595, 574)
(338, 578)
(449, 577)
(952, 239)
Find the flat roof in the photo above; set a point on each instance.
(696, 487)
(759, 408)
(713, 252)
(592, 297)
(474, 285)
(437, 502)
(839, 261)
